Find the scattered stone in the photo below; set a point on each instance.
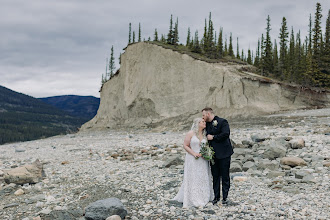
(10, 205)
(275, 150)
(326, 164)
(175, 160)
(293, 161)
(297, 143)
(258, 138)
(114, 217)
(26, 174)
(19, 192)
(102, 209)
(240, 178)
(267, 164)
(63, 214)
(247, 165)
(274, 174)
(235, 166)
(18, 150)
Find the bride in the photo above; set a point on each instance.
(196, 189)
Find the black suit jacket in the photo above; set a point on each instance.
(221, 142)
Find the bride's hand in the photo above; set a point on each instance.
(196, 155)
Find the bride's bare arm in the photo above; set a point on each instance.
(186, 144)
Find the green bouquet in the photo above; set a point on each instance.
(207, 151)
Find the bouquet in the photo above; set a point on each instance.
(207, 151)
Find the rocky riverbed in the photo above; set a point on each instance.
(280, 170)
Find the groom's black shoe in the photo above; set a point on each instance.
(215, 201)
(224, 202)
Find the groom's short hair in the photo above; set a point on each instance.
(208, 109)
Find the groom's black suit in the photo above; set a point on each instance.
(223, 149)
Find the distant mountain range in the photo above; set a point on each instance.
(80, 106)
(24, 118)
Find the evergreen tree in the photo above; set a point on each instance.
(129, 33)
(196, 48)
(316, 58)
(188, 37)
(283, 48)
(291, 58)
(325, 56)
(133, 36)
(111, 64)
(204, 39)
(230, 49)
(170, 35)
(310, 34)
(139, 33)
(249, 58)
(176, 33)
(242, 56)
(237, 52)
(156, 35)
(220, 45)
(163, 40)
(262, 55)
(257, 58)
(226, 48)
(268, 59)
(299, 60)
(276, 67)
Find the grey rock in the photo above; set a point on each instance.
(301, 173)
(235, 166)
(247, 165)
(258, 137)
(247, 143)
(267, 164)
(275, 150)
(309, 179)
(297, 143)
(63, 214)
(274, 174)
(102, 209)
(241, 151)
(176, 160)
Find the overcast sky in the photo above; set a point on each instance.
(50, 48)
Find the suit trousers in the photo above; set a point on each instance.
(220, 173)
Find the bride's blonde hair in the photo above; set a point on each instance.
(195, 127)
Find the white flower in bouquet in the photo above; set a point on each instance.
(207, 151)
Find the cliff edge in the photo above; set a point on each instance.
(160, 87)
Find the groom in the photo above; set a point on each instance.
(218, 132)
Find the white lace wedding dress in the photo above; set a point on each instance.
(196, 189)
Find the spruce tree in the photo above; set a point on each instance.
(237, 52)
(262, 55)
(170, 32)
(249, 58)
(257, 58)
(230, 49)
(111, 64)
(225, 53)
(276, 67)
(220, 45)
(188, 37)
(156, 35)
(316, 58)
(196, 48)
(283, 48)
(204, 43)
(310, 33)
(176, 33)
(268, 59)
(129, 33)
(242, 56)
(133, 36)
(291, 58)
(325, 56)
(139, 33)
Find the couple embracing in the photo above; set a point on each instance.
(197, 188)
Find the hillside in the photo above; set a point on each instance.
(158, 87)
(79, 106)
(24, 118)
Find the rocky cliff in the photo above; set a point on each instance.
(160, 87)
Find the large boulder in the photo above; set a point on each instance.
(293, 161)
(267, 164)
(102, 209)
(32, 173)
(275, 150)
(235, 166)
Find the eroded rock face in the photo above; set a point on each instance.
(160, 87)
(31, 173)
